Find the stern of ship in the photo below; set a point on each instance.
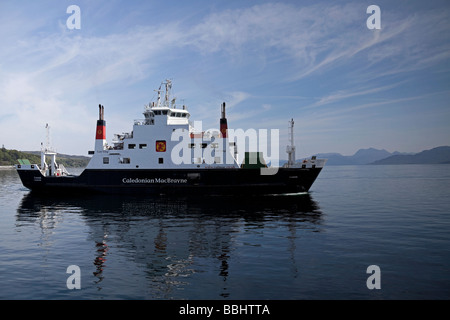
(30, 174)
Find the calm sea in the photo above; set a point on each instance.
(311, 246)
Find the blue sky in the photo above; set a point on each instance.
(346, 86)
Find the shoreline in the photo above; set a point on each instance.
(7, 167)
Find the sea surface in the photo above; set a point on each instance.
(309, 246)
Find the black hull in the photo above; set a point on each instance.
(174, 182)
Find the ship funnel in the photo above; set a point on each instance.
(223, 122)
(100, 133)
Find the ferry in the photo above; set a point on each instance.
(165, 155)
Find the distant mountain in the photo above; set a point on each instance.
(432, 156)
(362, 156)
(335, 159)
(376, 156)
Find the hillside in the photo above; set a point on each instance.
(433, 156)
(437, 155)
(362, 156)
(10, 157)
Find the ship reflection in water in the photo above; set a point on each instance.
(164, 248)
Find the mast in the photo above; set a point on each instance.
(290, 149)
(47, 151)
(158, 101)
(168, 87)
(47, 138)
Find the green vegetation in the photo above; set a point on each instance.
(11, 157)
(253, 160)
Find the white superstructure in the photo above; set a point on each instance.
(163, 139)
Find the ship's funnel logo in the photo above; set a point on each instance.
(223, 131)
(161, 146)
(101, 133)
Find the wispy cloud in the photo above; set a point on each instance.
(351, 93)
(49, 73)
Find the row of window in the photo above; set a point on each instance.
(161, 160)
(141, 146)
(191, 145)
(172, 114)
(128, 160)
